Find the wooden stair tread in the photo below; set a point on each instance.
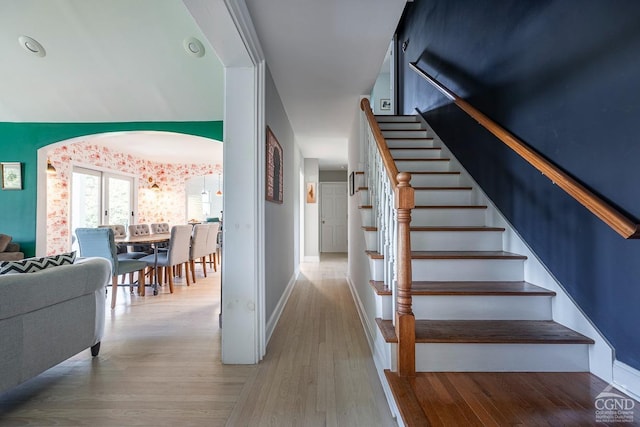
(488, 332)
(408, 404)
(451, 207)
(415, 148)
(380, 287)
(457, 228)
(435, 173)
(497, 398)
(443, 188)
(465, 255)
(427, 159)
(359, 172)
(451, 255)
(424, 288)
(365, 207)
(462, 228)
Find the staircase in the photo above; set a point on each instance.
(473, 310)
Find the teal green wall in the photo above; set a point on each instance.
(19, 142)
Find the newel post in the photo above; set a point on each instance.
(405, 320)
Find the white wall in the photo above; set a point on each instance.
(311, 214)
(281, 230)
(381, 90)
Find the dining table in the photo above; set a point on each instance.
(153, 240)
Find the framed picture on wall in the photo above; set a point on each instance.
(352, 183)
(11, 175)
(275, 165)
(311, 192)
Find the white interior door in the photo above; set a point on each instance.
(333, 217)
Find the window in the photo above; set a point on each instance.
(100, 198)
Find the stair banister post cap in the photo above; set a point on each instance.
(364, 103)
(404, 193)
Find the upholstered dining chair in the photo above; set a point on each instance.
(160, 228)
(212, 244)
(140, 230)
(119, 230)
(177, 254)
(100, 242)
(199, 250)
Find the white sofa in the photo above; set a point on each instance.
(50, 315)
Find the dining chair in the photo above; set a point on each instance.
(160, 228)
(123, 252)
(212, 244)
(177, 254)
(199, 249)
(100, 242)
(140, 230)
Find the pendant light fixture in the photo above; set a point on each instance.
(219, 192)
(203, 194)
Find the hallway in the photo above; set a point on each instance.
(318, 369)
(160, 365)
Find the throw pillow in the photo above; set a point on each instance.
(4, 242)
(31, 265)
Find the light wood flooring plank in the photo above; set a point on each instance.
(318, 370)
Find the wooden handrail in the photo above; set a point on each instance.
(387, 159)
(622, 224)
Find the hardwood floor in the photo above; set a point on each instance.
(506, 399)
(160, 365)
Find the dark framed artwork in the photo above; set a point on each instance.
(352, 183)
(275, 166)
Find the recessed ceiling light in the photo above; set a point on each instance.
(32, 46)
(193, 46)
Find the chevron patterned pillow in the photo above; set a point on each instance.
(31, 265)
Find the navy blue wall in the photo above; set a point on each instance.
(564, 77)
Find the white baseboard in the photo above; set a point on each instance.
(311, 258)
(626, 379)
(275, 316)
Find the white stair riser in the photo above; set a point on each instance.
(434, 180)
(400, 119)
(363, 197)
(456, 240)
(482, 307)
(467, 269)
(371, 240)
(473, 307)
(404, 133)
(442, 197)
(422, 143)
(423, 153)
(400, 126)
(376, 267)
(413, 166)
(502, 357)
(366, 217)
(448, 217)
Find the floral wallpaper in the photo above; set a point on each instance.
(166, 205)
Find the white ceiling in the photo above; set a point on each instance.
(323, 55)
(124, 60)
